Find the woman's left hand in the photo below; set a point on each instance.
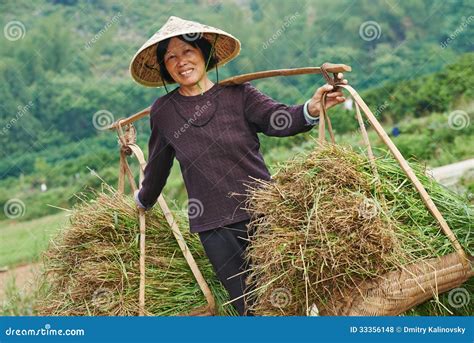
(333, 97)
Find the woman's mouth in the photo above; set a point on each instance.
(186, 73)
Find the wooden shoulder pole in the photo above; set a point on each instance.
(239, 79)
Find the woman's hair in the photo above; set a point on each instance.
(200, 43)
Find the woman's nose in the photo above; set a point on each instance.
(182, 62)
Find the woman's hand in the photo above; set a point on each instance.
(137, 200)
(333, 97)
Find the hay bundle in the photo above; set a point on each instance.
(325, 224)
(92, 268)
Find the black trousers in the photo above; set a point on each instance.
(225, 248)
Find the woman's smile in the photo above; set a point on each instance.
(184, 62)
(186, 73)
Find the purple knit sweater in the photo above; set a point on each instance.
(214, 138)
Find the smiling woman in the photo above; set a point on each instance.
(217, 145)
(186, 62)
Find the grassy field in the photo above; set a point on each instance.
(23, 242)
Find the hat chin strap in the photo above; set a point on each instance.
(215, 57)
(207, 63)
(164, 83)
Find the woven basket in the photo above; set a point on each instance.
(398, 291)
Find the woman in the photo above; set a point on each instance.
(212, 129)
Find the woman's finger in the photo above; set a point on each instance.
(334, 94)
(319, 92)
(332, 102)
(340, 76)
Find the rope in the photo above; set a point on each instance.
(212, 51)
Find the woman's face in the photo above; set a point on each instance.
(184, 62)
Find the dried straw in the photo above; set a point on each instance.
(324, 224)
(92, 268)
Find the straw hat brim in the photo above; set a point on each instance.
(144, 67)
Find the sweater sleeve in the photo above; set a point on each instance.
(271, 117)
(160, 160)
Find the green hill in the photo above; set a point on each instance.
(64, 62)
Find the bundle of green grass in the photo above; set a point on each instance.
(92, 268)
(325, 223)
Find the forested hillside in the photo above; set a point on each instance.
(64, 73)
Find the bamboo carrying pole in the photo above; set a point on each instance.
(128, 146)
(360, 104)
(239, 79)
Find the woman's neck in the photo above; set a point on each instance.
(199, 88)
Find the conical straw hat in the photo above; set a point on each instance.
(144, 67)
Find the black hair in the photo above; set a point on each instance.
(200, 43)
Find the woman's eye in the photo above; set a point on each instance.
(170, 57)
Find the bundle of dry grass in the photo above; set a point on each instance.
(92, 268)
(324, 224)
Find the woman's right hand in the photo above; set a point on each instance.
(334, 97)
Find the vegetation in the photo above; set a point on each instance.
(70, 63)
(24, 242)
(327, 223)
(92, 268)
